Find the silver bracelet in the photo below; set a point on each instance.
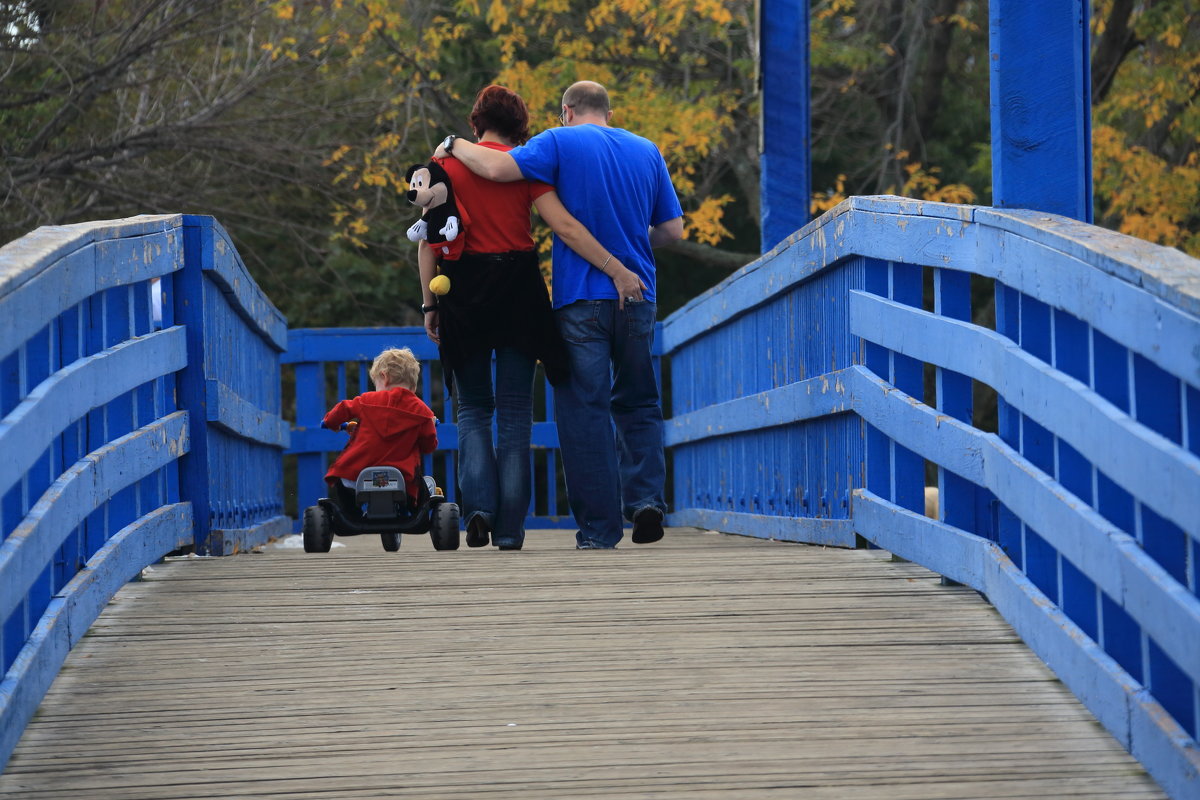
(605, 264)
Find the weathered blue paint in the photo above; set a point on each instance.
(1080, 517)
(1157, 470)
(785, 161)
(799, 415)
(237, 415)
(1120, 703)
(91, 435)
(73, 391)
(82, 430)
(235, 336)
(793, 402)
(78, 605)
(1103, 553)
(1041, 106)
(827, 532)
(85, 486)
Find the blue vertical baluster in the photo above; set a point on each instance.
(95, 528)
(310, 410)
(1157, 404)
(1080, 598)
(878, 360)
(908, 376)
(1038, 445)
(122, 506)
(956, 496)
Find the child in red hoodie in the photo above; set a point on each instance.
(395, 428)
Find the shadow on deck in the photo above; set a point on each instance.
(704, 666)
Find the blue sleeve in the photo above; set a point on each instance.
(538, 158)
(666, 205)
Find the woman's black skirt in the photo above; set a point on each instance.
(498, 300)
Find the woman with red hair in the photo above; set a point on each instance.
(497, 304)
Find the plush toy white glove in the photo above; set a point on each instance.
(417, 232)
(450, 231)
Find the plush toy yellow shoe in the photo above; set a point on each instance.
(439, 285)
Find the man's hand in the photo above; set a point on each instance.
(629, 286)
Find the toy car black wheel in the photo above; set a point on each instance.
(318, 533)
(443, 528)
(391, 541)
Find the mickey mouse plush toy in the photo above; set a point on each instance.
(440, 223)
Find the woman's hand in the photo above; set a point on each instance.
(431, 327)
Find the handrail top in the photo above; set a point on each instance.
(23, 259)
(1166, 272)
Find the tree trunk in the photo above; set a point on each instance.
(1115, 43)
(937, 60)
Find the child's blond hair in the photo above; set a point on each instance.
(399, 366)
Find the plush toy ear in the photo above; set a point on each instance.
(438, 174)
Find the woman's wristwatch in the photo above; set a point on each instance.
(448, 143)
(427, 309)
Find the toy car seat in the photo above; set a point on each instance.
(382, 491)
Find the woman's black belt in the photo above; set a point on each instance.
(497, 258)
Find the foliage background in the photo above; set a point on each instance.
(293, 121)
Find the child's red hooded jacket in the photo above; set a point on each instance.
(395, 428)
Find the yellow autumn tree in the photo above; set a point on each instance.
(679, 72)
(1146, 123)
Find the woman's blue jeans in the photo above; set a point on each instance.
(494, 479)
(610, 422)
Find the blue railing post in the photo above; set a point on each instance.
(234, 473)
(786, 161)
(1041, 106)
(188, 307)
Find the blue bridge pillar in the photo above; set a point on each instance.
(1041, 107)
(786, 158)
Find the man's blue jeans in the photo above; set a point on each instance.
(612, 385)
(495, 480)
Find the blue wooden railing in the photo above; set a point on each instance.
(806, 415)
(139, 415)
(812, 394)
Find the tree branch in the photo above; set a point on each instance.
(710, 256)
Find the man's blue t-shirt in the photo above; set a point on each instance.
(614, 182)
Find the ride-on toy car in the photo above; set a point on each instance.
(384, 509)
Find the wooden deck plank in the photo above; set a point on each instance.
(701, 667)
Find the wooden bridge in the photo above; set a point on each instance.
(705, 666)
(1038, 635)
(711, 663)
